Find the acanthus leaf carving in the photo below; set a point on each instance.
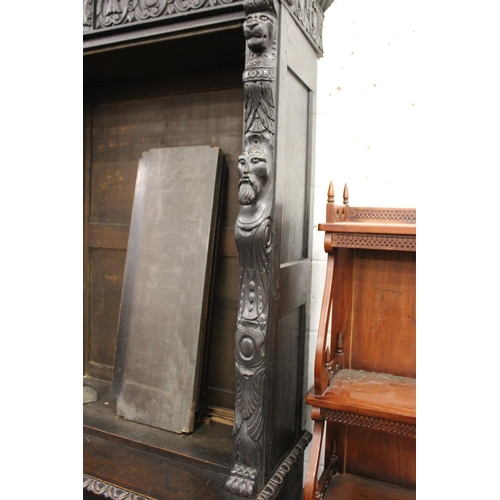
(114, 13)
(88, 6)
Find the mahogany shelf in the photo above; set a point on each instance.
(376, 395)
(350, 487)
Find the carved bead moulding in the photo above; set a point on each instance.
(109, 491)
(274, 484)
(378, 424)
(102, 14)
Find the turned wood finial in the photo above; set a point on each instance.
(340, 344)
(346, 195)
(331, 193)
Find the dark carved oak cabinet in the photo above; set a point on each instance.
(241, 77)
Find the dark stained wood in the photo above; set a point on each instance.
(189, 53)
(153, 92)
(285, 383)
(114, 236)
(87, 131)
(210, 446)
(295, 286)
(124, 127)
(165, 299)
(219, 380)
(106, 278)
(149, 474)
(349, 487)
(365, 365)
(292, 180)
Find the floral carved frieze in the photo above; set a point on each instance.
(101, 14)
(309, 15)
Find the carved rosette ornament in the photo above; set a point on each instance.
(254, 234)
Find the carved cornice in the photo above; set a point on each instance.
(100, 15)
(374, 241)
(104, 14)
(109, 491)
(378, 424)
(309, 15)
(274, 484)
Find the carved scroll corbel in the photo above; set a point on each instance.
(254, 236)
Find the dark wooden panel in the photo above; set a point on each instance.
(106, 278)
(149, 474)
(292, 172)
(210, 446)
(163, 311)
(220, 372)
(122, 130)
(384, 322)
(108, 236)
(286, 379)
(294, 287)
(126, 121)
(202, 52)
(381, 456)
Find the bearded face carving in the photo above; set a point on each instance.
(253, 169)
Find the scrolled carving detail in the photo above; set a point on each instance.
(112, 13)
(147, 9)
(109, 491)
(88, 6)
(310, 15)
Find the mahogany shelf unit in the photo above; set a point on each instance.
(364, 395)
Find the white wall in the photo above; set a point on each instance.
(366, 119)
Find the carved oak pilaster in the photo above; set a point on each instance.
(254, 234)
